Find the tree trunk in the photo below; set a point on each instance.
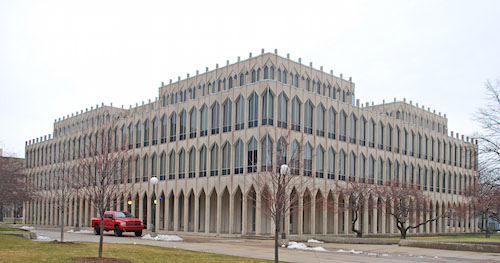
(403, 233)
(101, 236)
(62, 226)
(1, 213)
(276, 234)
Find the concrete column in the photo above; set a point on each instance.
(219, 213)
(347, 222)
(365, 217)
(186, 213)
(196, 213)
(86, 213)
(176, 214)
(207, 214)
(325, 215)
(80, 213)
(313, 215)
(300, 225)
(336, 216)
(149, 212)
(258, 214)
(467, 220)
(392, 222)
(383, 224)
(375, 218)
(231, 213)
(244, 219)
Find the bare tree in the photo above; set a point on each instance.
(485, 192)
(105, 167)
(13, 186)
(65, 185)
(405, 203)
(484, 196)
(359, 194)
(276, 181)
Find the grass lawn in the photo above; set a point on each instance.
(17, 249)
(9, 229)
(472, 238)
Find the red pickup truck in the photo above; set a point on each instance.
(119, 221)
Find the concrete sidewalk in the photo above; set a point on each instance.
(264, 249)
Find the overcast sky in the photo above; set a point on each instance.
(59, 57)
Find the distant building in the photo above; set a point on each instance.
(9, 207)
(209, 135)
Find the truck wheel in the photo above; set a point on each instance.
(96, 229)
(118, 232)
(138, 233)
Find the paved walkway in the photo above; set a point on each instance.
(264, 249)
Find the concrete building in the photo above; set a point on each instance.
(204, 138)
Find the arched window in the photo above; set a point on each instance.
(145, 169)
(154, 161)
(163, 129)
(352, 167)
(295, 114)
(182, 164)
(242, 79)
(362, 168)
(137, 135)
(267, 108)
(282, 110)
(342, 125)
(254, 76)
(252, 156)
(308, 84)
(238, 159)
(352, 128)
(226, 159)
(214, 160)
(371, 133)
(253, 110)
(266, 154)
(137, 169)
(192, 163)
(173, 124)
(320, 162)
(226, 120)
(266, 72)
(295, 158)
(331, 164)
(203, 162)
(281, 153)
(308, 117)
(331, 123)
(240, 113)
(388, 172)
(182, 125)
(204, 120)
(380, 170)
(380, 135)
(230, 82)
(307, 160)
(155, 131)
(342, 165)
(171, 166)
(215, 118)
(163, 163)
(320, 120)
(371, 170)
(193, 120)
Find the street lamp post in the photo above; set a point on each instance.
(154, 181)
(284, 170)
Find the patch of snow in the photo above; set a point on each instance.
(71, 231)
(350, 251)
(162, 238)
(385, 255)
(41, 237)
(84, 232)
(28, 228)
(302, 246)
(283, 245)
(371, 254)
(315, 241)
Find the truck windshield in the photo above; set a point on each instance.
(123, 215)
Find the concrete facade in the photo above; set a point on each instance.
(203, 138)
